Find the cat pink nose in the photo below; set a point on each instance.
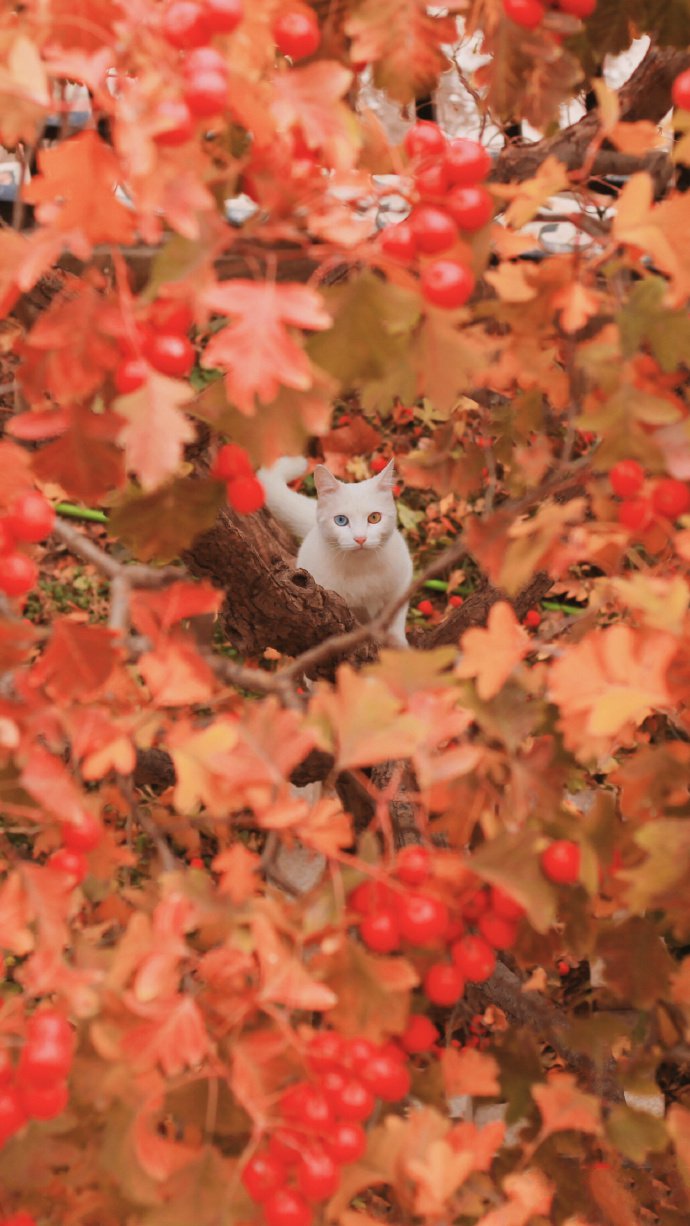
(360, 540)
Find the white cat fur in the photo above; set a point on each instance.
(367, 564)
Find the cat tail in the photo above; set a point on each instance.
(296, 511)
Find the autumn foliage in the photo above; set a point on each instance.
(454, 986)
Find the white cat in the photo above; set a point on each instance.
(350, 541)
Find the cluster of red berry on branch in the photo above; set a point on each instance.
(35, 1088)
(451, 200)
(159, 342)
(665, 499)
(30, 519)
(245, 491)
(530, 13)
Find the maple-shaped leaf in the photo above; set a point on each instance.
(363, 721)
(24, 93)
(238, 868)
(66, 354)
(155, 431)
(99, 743)
(260, 350)
(74, 194)
(16, 640)
(468, 1071)
(15, 472)
(176, 674)
(85, 459)
(404, 42)
(311, 99)
(529, 1196)
(609, 682)
(491, 654)
(373, 993)
(159, 1154)
(284, 979)
(154, 613)
(52, 786)
(510, 861)
(78, 661)
(284, 426)
(565, 1108)
(437, 1174)
(173, 1035)
(85, 26)
(162, 524)
(15, 917)
(198, 756)
(641, 980)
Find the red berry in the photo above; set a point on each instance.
(223, 16)
(31, 518)
(7, 541)
(171, 315)
(307, 1105)
(83, 833)
(456, 601)
(578, 8)
(358, 1051)
(370, 896)
(470, 207)
(285, 1145)
(262, 1176)
(353, 1101)
(443, 984)
(399, 242)
(387, 1078)
(419, 1035)
(297, 34)
(130, 375)
(467, 162)
(206, 93)
(433, 228)
(636, 514)
(231, 462)
(45, 1060)
(380, 932)
(6, 1067)
(670, 498)
(177, 123)
(563, 967)
(204, 59)
(44, 1102)
(425, 607)
(413, 865)
(680, 92)
(423, 920)
(476, 905)
(475, 958)
(18, 574)
(505, 905)
(49, 1024)
(326, 1051)
(627, 478)
(169, 353)
(500, 933)
(72, 864)
(346, 1142)
(378, 463)
(447, 283)
(424, 139)
(21, 1218)
(12, 1113)
(533, 618)
(527, 13)
(432, 179)
(246, 495)
(317, 1174)
(560, 861)
(287, 1208)
(184, 25)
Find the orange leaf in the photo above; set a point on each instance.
(285, 979)
(78, 661)
(565, 1108)
(257, 350)
(529, 1194)
(74, 194)
(153, 613)
(172, 1036)
(238, 868)
(365, 720)
(176, 674)
(467, 1071)
(404, 42)
(155, 430)
(311, 99)
(491, 655)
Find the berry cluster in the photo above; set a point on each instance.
(472, 929)
(20, 1218)
(668, 498)
(245, 492)
(160, 342)
(30, 519)
(448, 177)
(37, 1088)
(530, 13)
(321, 1127)
(79, 836)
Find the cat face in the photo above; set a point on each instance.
(359, 516)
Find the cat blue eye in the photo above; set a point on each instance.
(375, 517)
(341, 520)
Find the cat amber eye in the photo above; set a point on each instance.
(374, 517)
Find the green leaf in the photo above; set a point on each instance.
(635, 1133)
(511, 861)
(645, 320)
(371, 332)
(161, 524)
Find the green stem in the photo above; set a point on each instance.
(69, 511)
(554, 606)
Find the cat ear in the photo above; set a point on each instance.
(386, 478)
(324, 481)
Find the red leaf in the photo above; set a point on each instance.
(78, 661)
(74, 194)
